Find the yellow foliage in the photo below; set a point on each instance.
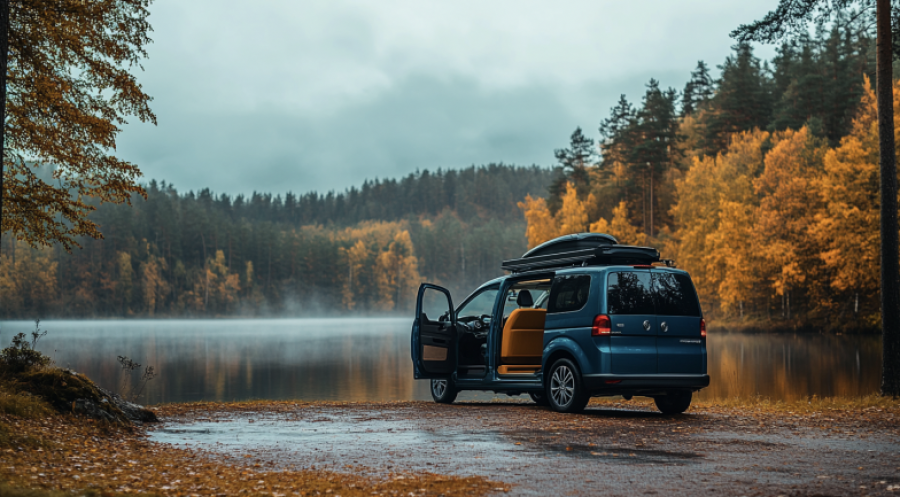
(788, 206)
(541, 225)
(215, 288)
(27, 279)
(707, 189)
(398, 274)
(356, 260)
(154, 283)
(572, 216)
(848, 229)
(625, 232)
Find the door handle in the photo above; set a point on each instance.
(647, 324)
(663, 326)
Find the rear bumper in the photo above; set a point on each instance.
(617, 384)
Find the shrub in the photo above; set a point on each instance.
(23, 355)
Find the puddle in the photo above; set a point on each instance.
(623, 455)
(379, 445)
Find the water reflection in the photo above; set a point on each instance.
(368, 359)
(792, 366)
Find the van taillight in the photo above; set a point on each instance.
(602, 326)
(703, 327)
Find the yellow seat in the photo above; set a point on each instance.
(522, 342)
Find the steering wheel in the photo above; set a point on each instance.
(481, 325)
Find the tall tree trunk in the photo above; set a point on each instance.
(890, 258)
(4, 51)
(651, 203)
(644, 202)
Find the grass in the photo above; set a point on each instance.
(21, 404)
(808, 404)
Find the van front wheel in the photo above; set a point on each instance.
(443, 391)
(564, 390)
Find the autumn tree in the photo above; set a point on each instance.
(620, 227)
(398, 274)
(787, 211)
(706, 197)
(69, 87)
(541, 226)
(847, 230)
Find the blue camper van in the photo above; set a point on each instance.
(576, 317)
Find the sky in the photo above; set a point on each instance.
(278, 95)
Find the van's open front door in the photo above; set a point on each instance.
(434, 334)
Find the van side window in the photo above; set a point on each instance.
(629, 293)
(675, 295)
(569, 293)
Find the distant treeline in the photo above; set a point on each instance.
(202, 254)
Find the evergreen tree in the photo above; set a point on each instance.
(656, 150)
(698, 90)
(743, 100)
(574, 162)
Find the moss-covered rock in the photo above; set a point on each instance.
(70, 392)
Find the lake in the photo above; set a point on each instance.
(367, 359)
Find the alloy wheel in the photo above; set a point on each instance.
(562, 385)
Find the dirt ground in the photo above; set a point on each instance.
(624, 448)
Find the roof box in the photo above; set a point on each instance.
(582, 249)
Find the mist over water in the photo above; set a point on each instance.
(367, 359)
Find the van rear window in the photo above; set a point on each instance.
(569, 293)
(629, 293)
(675, 295)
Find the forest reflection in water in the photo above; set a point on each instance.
(366, 359)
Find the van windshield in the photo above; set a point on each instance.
(481, 304)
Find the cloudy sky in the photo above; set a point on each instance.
(279, 95)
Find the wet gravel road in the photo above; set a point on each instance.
(622, 448)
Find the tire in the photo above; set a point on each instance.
(564, 390)
(443, 391)
(539, 398)
(674, 403)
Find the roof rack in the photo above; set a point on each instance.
(600, 256)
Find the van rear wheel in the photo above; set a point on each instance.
(564, 390)
(443, 391)
(674, 403)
